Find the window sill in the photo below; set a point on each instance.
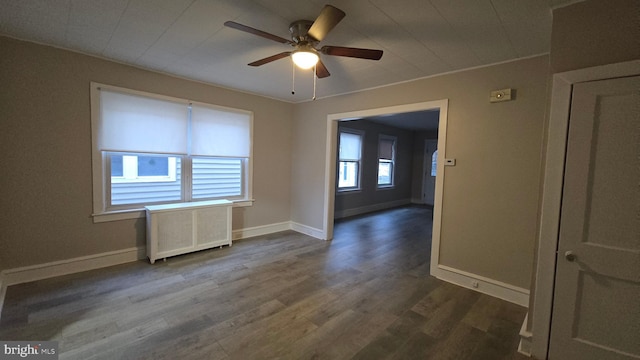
(348, 191)
(129, 214)
(385, 187)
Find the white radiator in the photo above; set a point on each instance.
(175, 229)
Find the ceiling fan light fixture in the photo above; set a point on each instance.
(305, 36)
(305, 59)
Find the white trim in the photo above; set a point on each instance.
(426, 77)
(565, 3)
(70, 266)
(549, 215)
(260, 230)
(91, 262)
(115, 215)
(524, 347)
(308, 230)
(370, 208)
(118, 215)
(498, 289)
(439, 194)
(30, 273)
(552, 192)
(3, 291)
(331, 146)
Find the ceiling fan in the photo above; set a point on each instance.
(305, 36)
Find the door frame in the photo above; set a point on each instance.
(559, 111)
(331, 152)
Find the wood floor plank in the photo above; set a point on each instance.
(366, 294)
(450, 314)
(321, 342)
(235, 324)
(384, 346)
(482, 313)
(267, 337)
(81, 338)
(117, 343)
(460, 343)
(418, 346)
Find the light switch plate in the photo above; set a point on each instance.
(449, 162)
(500, 95)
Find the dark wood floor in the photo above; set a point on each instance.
(365, 295)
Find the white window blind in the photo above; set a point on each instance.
(350, 145)
(216, 132)
(349, 165)
(151, 149)
(133, 123)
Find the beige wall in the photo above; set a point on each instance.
(491, 196)
(369, 193)
(595, 32)
(45, 134)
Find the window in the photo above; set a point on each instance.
(434, 163)
(386, 160)
(350, 152)
(151, 149)
(127, 168)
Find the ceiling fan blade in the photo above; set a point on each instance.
(369, 54)
(321, 70)
(329, 17)
(270, 59)
(250, 30)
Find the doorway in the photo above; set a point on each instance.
(331, 152)
(552, 196)
(595, 306)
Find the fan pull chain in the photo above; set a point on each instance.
(293, 78)
(315, 78)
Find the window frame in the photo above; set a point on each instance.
(101, 166)
(358, 162)
(391, 162)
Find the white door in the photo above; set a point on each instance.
(596, 310)
(429, 176)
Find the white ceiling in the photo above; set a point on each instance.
(187, 37)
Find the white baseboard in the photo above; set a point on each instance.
(260, 230)
(308, 230)
(339, 214)
(524, 347)
(70, 266)
(26, 274)
(504, 291)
